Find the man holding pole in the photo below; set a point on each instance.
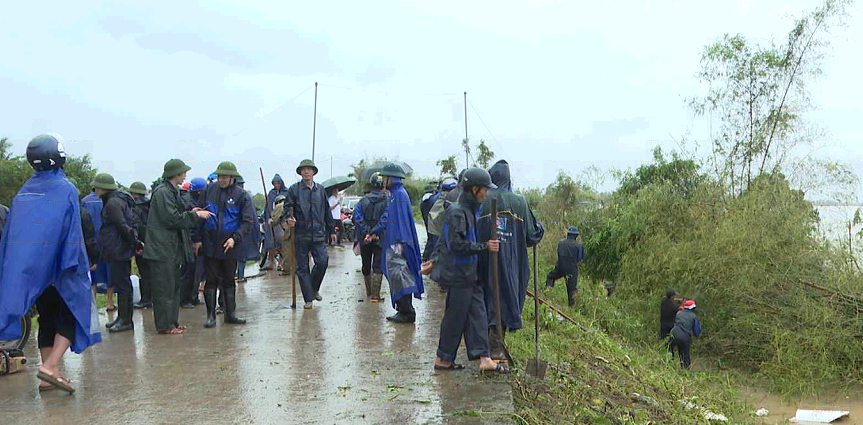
(313, 225)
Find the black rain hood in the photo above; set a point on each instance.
(278, 178)
(500, 175)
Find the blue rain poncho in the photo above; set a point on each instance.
(401, 260)
(43, 244)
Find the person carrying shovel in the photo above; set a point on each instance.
(455, 266)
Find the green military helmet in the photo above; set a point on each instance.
(227, 168)
(104, 181)
(280, 198)
(391, 169)
(307, 163)
(175, 167)
(239, 180)
(573, 231)
(138, 188)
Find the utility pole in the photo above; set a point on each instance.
(466, 151)
(315, 121)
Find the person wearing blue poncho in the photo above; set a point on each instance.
(43, 260)
(401, 260)
(93, 204)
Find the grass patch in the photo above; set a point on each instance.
(596, 378)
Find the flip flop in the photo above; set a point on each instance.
(58, 382)
(498, 369)
(452, 366)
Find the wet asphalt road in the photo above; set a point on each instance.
(340, 363)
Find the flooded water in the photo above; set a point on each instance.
(781, 410)
(338, 363)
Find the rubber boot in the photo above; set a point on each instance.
(210, 301)
(367, 279)
(405, 311)
(549, 282)
(231, 307)
(570, 295)
(124, 314)
(376, 281)
(495, 345)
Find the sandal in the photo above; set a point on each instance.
(499, 369)
(452, 366)
(56, 381)
(46, 388)
(180, 327)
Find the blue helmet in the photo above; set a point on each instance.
(197, 183)
(213, 177)
(448, 184)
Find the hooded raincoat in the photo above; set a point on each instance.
(271, 201)
(93, 205)
(517, 229)
(43, 245)
(402, 269)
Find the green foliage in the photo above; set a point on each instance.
(759, 94)
(448, 166)
(260, 202)
(15, 170)
(484, 155)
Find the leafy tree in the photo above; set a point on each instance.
(260, 202)
(15, 170)
(484, 155)
(448, 166)
(759, 94)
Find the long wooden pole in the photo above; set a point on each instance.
(536, 304)
(495, 273)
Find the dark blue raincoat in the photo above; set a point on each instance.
(93, 205)
(400, 229)
(43, 244)
(517, 229)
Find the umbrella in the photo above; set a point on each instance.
(340, 182)
(377, 166)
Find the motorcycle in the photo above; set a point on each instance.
(346, 228)
(26, 329)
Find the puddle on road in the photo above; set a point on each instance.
(782, 409)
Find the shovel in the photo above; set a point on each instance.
(535, 366)
(496, 281)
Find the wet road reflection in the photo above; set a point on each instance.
(338, 363)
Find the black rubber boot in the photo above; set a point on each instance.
(231, 307)
(549, 282)
(570, 295)
(124, 314)
(210, 301)
(406, 312)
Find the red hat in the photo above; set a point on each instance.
(689, 305)
(185, 186)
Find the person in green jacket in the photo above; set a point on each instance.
(168, 226)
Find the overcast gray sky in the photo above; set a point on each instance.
(551, 85)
